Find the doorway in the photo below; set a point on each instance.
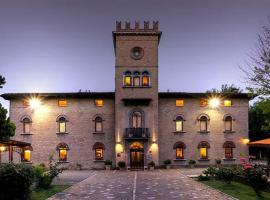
(136, 156)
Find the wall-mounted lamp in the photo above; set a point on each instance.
(214, 102)
(34, 103)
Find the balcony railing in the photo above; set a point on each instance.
(136, 133)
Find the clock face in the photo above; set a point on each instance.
(136, 53)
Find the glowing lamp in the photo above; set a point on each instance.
(2, 148)
(245, 140)
(34, 103)
(214, 102)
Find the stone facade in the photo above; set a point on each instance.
(155, 137)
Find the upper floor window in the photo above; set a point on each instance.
(228, 103)
(228, 123)
(203, 148)
(228, 146)
(203, 102)
(136, 119)
(179, 121)
(203, 120)
(98, 124)
(62, 150)
(27, 123)
(127, 78)
(25, 103)
(99, 102)
(179, 150)
(179, 102)
(62, 124)
(145, 78)
(136, 79)
(99, 150)
(62, 103)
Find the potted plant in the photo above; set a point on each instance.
(191, 163)
(151, 165)
(167, 163)
(218, 162)
(108, 164)
(122, 165)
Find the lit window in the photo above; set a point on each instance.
(203, 124)
(127, 79)
(26, 155)
(99, 154)
(227, 103)
(26, 125)
(145, 78)
(203, 149)
(62, 103)
(98, 124)
(228, 146)
(136, 79)
(203, 102)
(62, 154)
(179, 102)
(179, 153)
(228, 123)
(25, 103)
(99, 102)
(62, 125)
(179, 124)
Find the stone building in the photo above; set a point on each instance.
(136, 123)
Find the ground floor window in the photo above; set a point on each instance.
(228, 146)
(27, 156)
(62, 150)
(179, 149)
(203, 149)
(99, 154)
(99, 149)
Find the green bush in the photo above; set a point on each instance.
(218, 161)
(122, 164)
(203, 177)
(45, 181)
(16, 180)
(225, 174)
(211, 172)
(191, 162)
(167, 162)
(108, 162)
(151, 164)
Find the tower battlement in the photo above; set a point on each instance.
(137, 28)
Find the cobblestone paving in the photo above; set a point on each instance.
(139, 185)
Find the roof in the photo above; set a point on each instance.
(260, 143)
(9, 96)
(15, 143)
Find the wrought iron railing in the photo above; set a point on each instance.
(136, 133)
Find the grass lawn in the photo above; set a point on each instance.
(41, 194)
(237, 190)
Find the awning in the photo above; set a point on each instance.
(260, 143)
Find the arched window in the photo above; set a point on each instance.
(228, 123)
(203, 120)
(62, 123)
(179, 150)
(26, 125)
(136, 79)
(228, 146)
(127, 78)
(98, 124)
(99, 150)
(137, 119)
(179, 122)
(145, 78)
(62, 148)
(203, 148)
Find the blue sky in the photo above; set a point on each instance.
(66, 45)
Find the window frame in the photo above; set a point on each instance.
(98, 119)
(179, 119)
(204, 119)
(101, 152)
(230, 123)
(62, 120)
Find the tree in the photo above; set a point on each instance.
(258, 72)
(7, 128)
(225, 88)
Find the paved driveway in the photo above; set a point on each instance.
(139, 185)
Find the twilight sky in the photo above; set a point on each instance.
(66, 45)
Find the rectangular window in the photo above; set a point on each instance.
(203, 126)
(99, 102)
(99, 154)
(62, 127)
(127, 81)
(145, 81)
(179, 125)
(228, 125)
(228, 153)
(62, 103)
(227, 103)
(25, 103)
(98, 126)
(203, 102)
(179, 102)
(136, 81)
(62, 155)
(26, 127)
(203, 153)
(179, 153)
(27, 156)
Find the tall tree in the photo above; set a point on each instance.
(7, 128)
(258, 72)
(225, 88)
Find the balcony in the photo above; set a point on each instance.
(136, 134)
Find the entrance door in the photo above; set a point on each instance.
(136, 156)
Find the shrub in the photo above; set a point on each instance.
(122, 164)
(151, 164)
(218, 161)
(16, 180)
(211, 172)
(167, 162)
(256, 178)
(191, 162)
(202, 177)
(108, 162)
(39, 170)
(225, 174)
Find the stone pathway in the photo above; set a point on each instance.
(139, 185)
